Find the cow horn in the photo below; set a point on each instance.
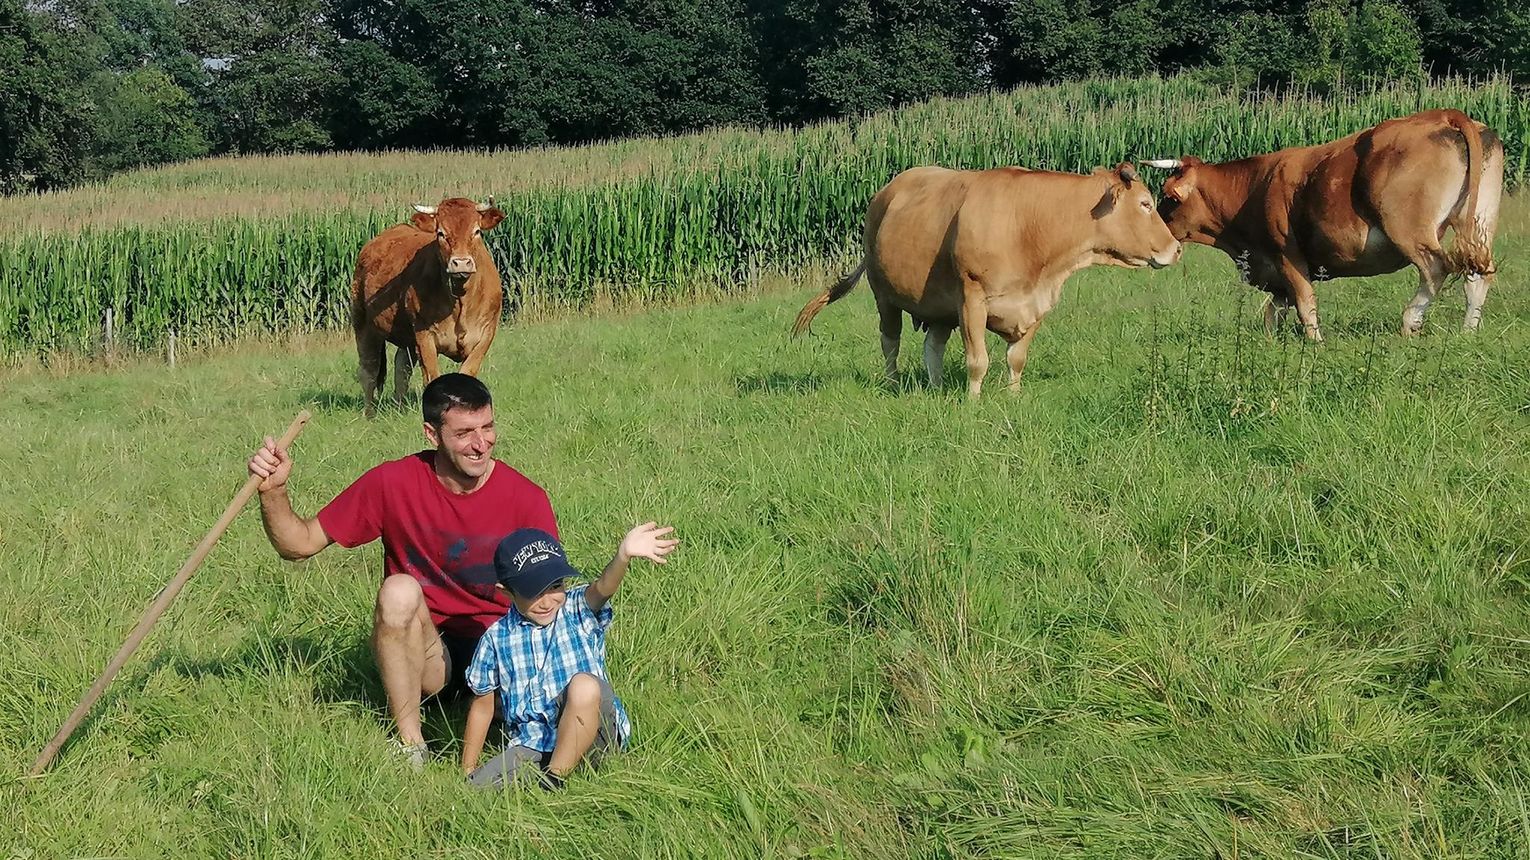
(424, 210)
(484, 207)
(1163, 163)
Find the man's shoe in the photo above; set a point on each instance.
(412, 754)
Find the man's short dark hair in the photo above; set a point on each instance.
(453, 391)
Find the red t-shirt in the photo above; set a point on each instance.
(444, 540)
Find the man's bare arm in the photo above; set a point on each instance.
(294, 537)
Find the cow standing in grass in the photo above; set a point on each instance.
(990, 249)
(427, 287)
(1368, 204)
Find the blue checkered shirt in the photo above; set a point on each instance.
(531, 666)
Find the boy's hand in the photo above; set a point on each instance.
(647, 541)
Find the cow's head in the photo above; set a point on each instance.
(1128, 230)
(458, 224)
(1182, 206)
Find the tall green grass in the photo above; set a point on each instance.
(721, 207)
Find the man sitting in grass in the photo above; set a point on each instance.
(547, 660)
(440, 513)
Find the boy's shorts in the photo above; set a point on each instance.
(501, 770)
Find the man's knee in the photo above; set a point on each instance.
(398, 602)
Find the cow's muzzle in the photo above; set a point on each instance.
(1164, 259)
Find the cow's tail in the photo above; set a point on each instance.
(1472, 251)
(832, 294)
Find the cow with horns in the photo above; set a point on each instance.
(1368, 204)
(428, 287)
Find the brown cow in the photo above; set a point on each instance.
(427, 287)
(1369, 204)
(991, 249)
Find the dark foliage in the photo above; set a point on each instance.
(89, 87)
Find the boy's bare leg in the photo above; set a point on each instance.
(578, 724)
(409, 653)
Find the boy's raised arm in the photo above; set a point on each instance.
(480, 715)
(644, 541)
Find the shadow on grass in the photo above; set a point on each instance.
(334, 401)
(1343, 324)
(777, 383)
(342, 671)
(912, 381)
(327, 400)
(341, 668)
(953, 381)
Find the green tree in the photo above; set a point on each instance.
(136, 71)
(1385, 41)
(146, 119)
(1263, 46)
(272, 85)
(1058, 39)
(44, 113)
(644, 67)
(1473, 36)
(272, 101)
(854, 56)
(1320, 42)
(519, 72)
(382, 101)
(123, 35)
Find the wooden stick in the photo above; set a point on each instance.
(157, 608)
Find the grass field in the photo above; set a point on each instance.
(1192, 593)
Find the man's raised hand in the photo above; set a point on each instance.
(272, 464)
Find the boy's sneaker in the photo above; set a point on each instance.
(549, 780)
(411, 754)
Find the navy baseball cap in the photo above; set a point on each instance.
(527, 561)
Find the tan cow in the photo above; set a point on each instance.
(427, 287)
(991, 249)
(1369, 204)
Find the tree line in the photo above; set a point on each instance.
(91, 87)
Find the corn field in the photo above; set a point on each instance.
(645, 218)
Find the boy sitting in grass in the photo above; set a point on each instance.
(547, 659)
